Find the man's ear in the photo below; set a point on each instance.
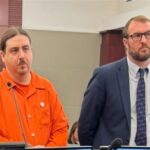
(2, 54)
(125, 43)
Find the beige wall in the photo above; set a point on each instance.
(68, 60)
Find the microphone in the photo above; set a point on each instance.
(116, 143)
(18, 113)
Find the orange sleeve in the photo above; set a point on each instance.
(59, 138)
(59, 132)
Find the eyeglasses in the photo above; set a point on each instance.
(138, 36)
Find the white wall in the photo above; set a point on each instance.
(132, 5)
(81, 15)
(67, 15)
(126, 10)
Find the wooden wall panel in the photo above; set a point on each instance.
(10, 15)
(112, 46)
(3, 12)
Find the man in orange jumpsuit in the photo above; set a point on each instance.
(30, 110)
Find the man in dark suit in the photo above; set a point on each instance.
(109, 106)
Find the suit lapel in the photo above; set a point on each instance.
(123, 79)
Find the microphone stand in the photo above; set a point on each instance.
(18, 113)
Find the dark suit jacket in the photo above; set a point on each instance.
(105, 112)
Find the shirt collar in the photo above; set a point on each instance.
(36, 81)
(133, 68)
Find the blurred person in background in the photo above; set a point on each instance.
(73, 136)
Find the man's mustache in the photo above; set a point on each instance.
(144, 46)
(21, 62)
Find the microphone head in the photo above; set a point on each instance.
(116, 143)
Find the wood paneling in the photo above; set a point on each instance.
(3, 12)
(10, 15)
(112, 47)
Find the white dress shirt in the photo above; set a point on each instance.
(133, 81)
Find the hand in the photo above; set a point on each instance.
(38, 146)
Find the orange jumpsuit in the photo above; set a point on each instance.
(42, 115)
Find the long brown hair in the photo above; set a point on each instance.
(11, 32)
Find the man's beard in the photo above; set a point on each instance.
(138, 57)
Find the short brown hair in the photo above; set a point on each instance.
(139, 18)
(11, 32)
